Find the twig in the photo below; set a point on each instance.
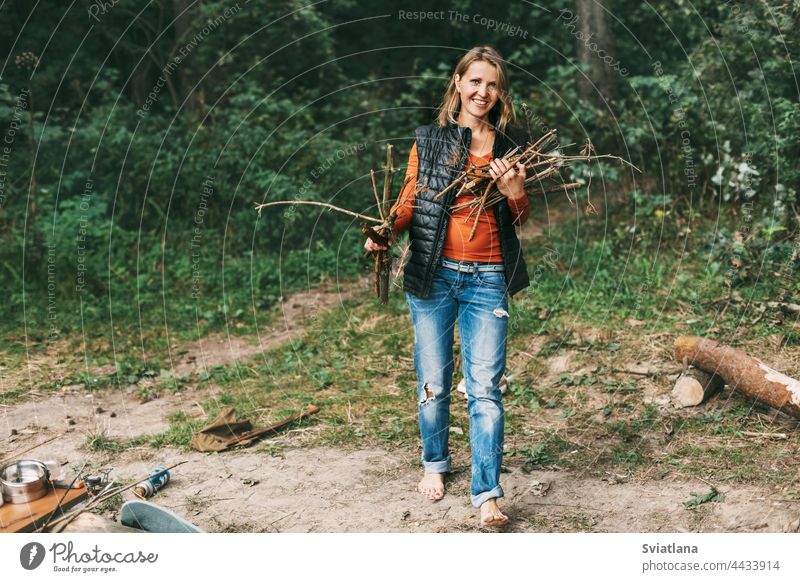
(713, 487)
(766, 435)
(383, 259)
(63, 521)
(17, 454)
(281, 518)
(324, 204)
(527, 121)
(253, 434)
(388, 178)
(377, 198)
(402, 261)
(60, 501)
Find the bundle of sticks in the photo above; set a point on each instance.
(383, 232)
(475, 189)
(380, 233)
(543, 161)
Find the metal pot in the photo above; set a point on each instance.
(24, 481)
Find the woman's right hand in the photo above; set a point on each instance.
(371, 245)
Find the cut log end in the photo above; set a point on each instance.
(695, 387)
(686, 346)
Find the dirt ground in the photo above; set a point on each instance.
(371, 490)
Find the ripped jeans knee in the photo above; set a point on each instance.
(429, 393)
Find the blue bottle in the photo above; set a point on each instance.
(154, 483)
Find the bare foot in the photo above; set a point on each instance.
(491, 516)
(432, 486)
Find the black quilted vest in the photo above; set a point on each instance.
(443, 152)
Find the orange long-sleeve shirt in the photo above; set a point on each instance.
(485, 245)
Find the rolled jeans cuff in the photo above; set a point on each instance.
(438, 466)
(478, 500)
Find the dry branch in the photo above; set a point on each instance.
(259, 207)
(18, 454)
(380, 233)
(254, 434)
(383, 259)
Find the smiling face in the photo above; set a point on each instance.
(478, 88)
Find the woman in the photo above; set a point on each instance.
(451, 276)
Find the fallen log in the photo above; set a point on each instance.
(695, 386)
(741, 372)
(792, 308)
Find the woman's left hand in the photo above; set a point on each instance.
(510, 178)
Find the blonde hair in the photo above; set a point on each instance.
(503, 111)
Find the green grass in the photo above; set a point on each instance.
(111, 505)
(548, 453)
(101, 442)
(179, 434)
(581, 271)
(143, 311)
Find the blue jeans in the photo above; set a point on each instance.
(480, 304)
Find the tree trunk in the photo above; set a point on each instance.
(594, 41)
(183, 25)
